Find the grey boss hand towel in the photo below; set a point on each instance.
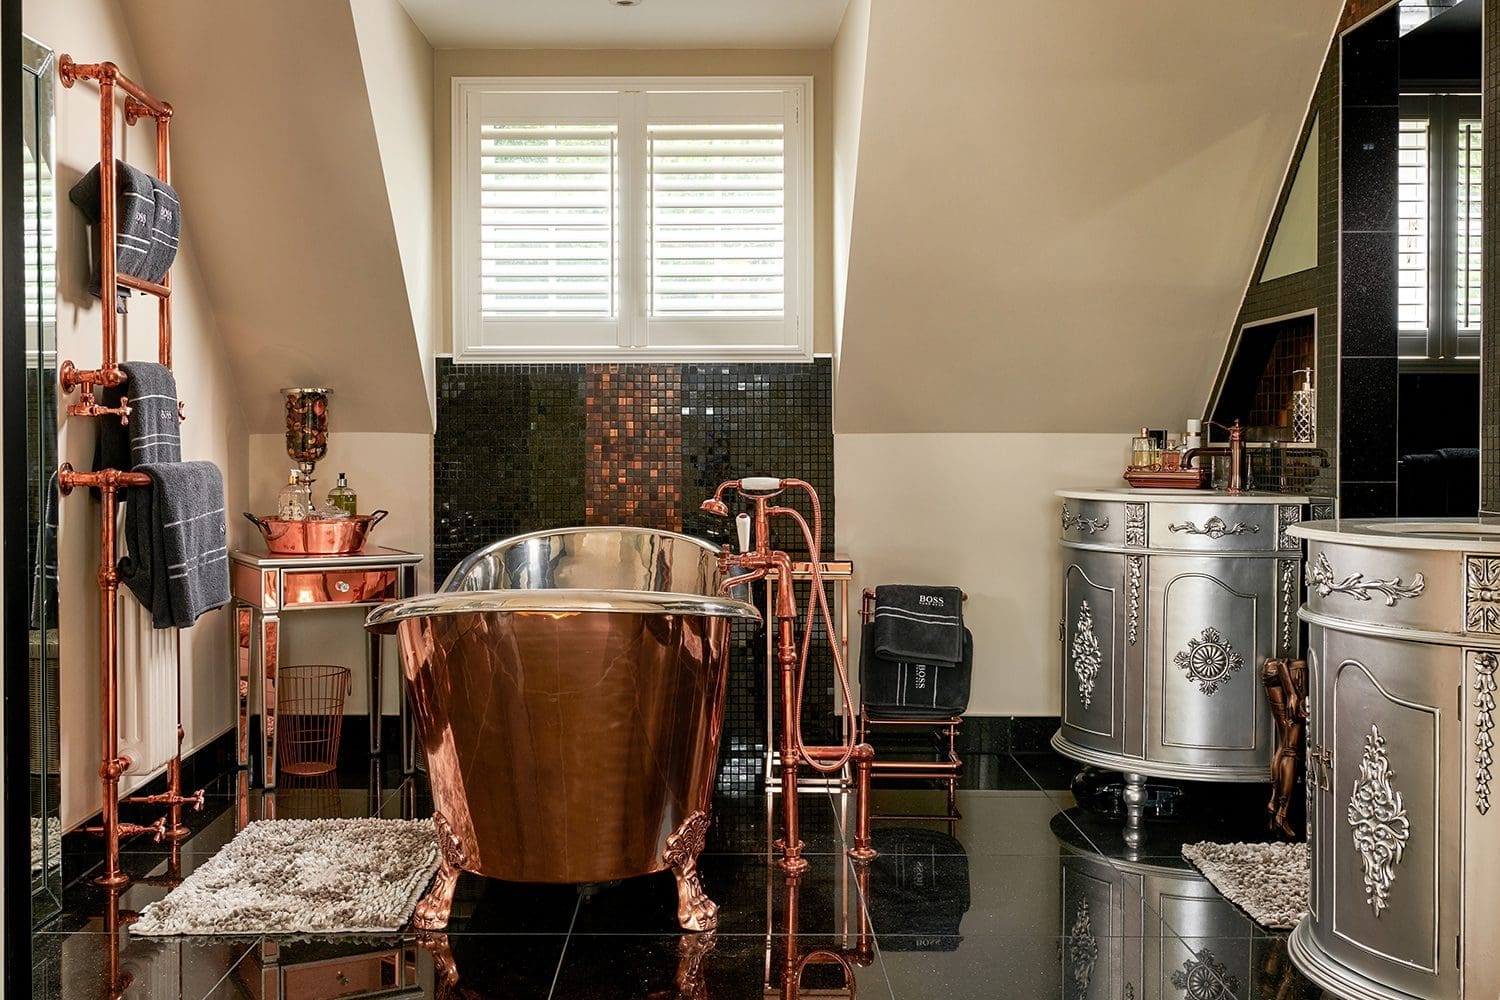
(919, 624)
(153, 433)
(148, 224)
(176, 539)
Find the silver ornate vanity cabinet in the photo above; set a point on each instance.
(1403, 810)
(1172, 601)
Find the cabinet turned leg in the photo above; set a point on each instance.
(432, 912)
(695, 911)
(1135, 809)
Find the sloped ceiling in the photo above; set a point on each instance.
(276, 157)
(1057, 205)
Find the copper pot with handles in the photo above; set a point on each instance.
(316, 536)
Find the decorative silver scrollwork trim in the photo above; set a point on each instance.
(1209, 660)
(1484, 723)
(1134, 566)
(1322, 512)
(1288, 573)
(1286, 516)
(1216, 528)
(1091, 525)
(1085, 654)
(1482, 594)
(1326, 583)
(1378, 821)
(1135, 525)
(1204, 977)
(1083, 948)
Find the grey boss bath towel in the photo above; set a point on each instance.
(153, 431)
(148, 224)
(177, 539)
(918, 624)
(176, 536)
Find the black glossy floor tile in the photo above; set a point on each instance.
(511, 967)
(1028, 894)
(98, 965)
(604, 967)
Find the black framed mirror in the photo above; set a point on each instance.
(39, 291)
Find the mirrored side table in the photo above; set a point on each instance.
(265, 587)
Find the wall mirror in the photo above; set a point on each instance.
(39, 206)
(1410, 285)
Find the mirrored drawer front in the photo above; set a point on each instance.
(331, 587)
(1207, 527)
(1093, 522)
(1395, 588)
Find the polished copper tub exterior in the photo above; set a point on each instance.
(569, 690)
(316, 536)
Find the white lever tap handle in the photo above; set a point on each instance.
(760, 484)
(742, 525)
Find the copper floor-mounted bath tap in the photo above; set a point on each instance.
(756, 559)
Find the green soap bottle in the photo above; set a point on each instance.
(344, 498)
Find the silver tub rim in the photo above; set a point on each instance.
(559, 601)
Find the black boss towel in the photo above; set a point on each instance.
(919, 624)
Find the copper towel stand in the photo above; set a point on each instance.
(139, 105)
(944, 728)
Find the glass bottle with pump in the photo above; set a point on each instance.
(343, 498)
(293, 502)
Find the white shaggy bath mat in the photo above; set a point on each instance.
(1268, 881)
(296, 876)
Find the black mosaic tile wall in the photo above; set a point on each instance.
(1368, 448)
(529, 447)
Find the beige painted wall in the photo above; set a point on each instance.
(848, 108)
(94, 30)
(643, 62)
(289, 178)
(389, 471)
(397, 62)
(976, 511)
(1058, 206)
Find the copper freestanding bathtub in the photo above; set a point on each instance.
(568, 688)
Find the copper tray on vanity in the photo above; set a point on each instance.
(1160, 479)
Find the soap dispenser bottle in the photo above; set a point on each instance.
(342, 498)
(293, 502)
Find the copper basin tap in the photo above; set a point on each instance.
(1235, 450)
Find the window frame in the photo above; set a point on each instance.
(678, 340)
(1442, 344)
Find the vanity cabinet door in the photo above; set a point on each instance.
(1213, 624)
(1390, 816)
(1093, 649)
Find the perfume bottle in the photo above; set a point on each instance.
(293, 502)
(1143, 450)
(342, 498)
(1304, 409)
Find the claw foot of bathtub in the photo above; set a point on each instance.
(432, 912)
(691, 948)
(695, 911)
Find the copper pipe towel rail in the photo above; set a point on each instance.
(138, 105)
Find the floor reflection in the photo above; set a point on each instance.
(1027, 895)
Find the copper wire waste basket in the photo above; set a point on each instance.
(311, 716)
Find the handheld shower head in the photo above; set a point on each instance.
(714, 506)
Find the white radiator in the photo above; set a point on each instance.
(148, 692)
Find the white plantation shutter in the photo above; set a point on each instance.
(718, 223)
(633, 220)
(547, 220)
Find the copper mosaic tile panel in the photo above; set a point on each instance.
(633, 446)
